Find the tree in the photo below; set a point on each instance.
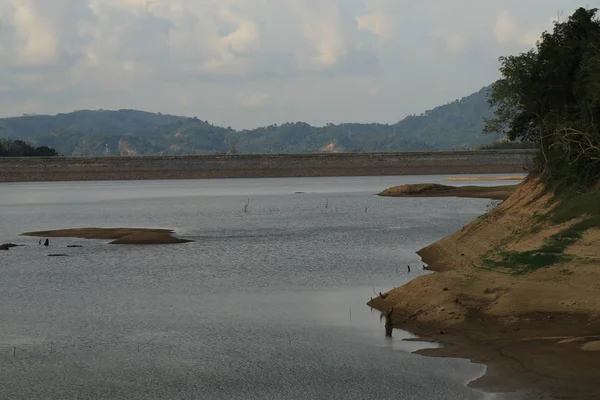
(19, 148)
(550, 96)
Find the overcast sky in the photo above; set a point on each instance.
(247, 63)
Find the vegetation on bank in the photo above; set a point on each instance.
(457, 125)
(550, 96)
(19, 148)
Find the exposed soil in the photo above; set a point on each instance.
(436, 190)
(537, 329)
(137, 236)
(486, 178)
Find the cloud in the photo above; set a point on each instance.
(450, 42)
(225, 60)
(378, 18)
(252, 99)
(508, 31)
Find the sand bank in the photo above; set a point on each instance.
(487, 178)
(533, 328)
(436, 190)
(118, 235)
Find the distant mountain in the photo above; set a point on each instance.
(457, 125)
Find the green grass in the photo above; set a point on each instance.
(574, 205)
(570, 204)
(535, 229)
(549, 254)
(525, 262)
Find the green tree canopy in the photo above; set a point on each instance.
(550, 96)
(19, 148)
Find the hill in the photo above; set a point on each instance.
(457, 125)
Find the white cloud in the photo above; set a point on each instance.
(325, 59)
(508, 31)
(252, 99)
(378, 18)
(451, 42)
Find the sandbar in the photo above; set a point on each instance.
(436, 190)
(487, 178)
(137, 236)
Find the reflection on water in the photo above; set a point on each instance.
(268, 303)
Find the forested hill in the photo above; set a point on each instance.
(457, 125)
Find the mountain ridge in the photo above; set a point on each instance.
(455, 125)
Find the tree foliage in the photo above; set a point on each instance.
(19, 148)
(550, 96)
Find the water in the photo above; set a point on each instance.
(265, 304)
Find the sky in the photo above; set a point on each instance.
(250, 63)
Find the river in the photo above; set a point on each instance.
(267, 303)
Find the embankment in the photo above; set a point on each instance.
(30, 169)
(516, 289)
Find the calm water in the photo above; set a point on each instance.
(265, 304)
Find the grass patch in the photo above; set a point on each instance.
(574, 205)
(566, 271)
(539, 218)
(535, 229)
(549, 254)
(525, 262)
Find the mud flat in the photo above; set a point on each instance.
(487, 178)
(138, 236)
(436, 190)
(29, 169)
(515, 291)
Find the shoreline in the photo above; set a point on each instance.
(35, 169)
(537, 331)
(130, 236)
(437, 190)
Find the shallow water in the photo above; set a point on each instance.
(265, 304)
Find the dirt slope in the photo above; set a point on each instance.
(531, 325)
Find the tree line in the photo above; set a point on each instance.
(19, 148)
(550, 96)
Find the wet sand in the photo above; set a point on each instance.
(486, 178)
(436, 190)
(137, 236)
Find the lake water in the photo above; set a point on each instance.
(264, 304)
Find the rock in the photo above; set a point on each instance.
(7, 246)
(4, 247)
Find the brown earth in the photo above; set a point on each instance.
(537, 331)
(487, 178)
(436, 190)
(119, 235)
